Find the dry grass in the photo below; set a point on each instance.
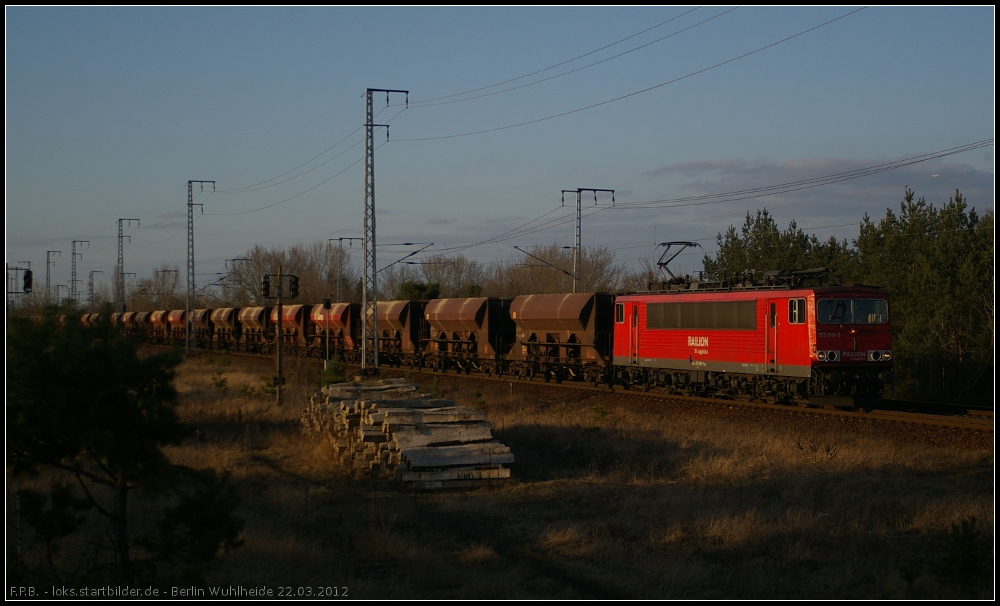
(606, 502)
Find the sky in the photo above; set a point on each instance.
(826, 113)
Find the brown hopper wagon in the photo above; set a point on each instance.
(563, 336)
(225, 328)
(337, 329)
(468, 334)
(294, 327)
(257, 332)
(401, 328)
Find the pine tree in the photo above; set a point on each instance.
(82, 403)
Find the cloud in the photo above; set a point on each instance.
(694, 168)
(441, 221)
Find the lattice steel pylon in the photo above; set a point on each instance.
(90, 289)
(48, 274)
(190, 338)
(74, 292)
(369, 295)
(579, 240)
(120, 287)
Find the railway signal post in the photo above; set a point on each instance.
(327, 305)
(293, 292)
(48, 274)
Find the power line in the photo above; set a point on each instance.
(757, 192)
(524, 229)
(638, 92)
(441, 100)
(264, 184)
(300, 194)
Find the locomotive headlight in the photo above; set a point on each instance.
(875, 355)
(886, 355)
(821, 356)
(832, 356)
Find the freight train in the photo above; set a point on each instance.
(775, 339)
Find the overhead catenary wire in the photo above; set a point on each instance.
(545, 69)
(289, 198)
(267, 183)
(530, 228)
(430, 103)
(768, 190)
(273, 181)
(720, 198)
(634, 93)
(292, 197)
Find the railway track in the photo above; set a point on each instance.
(917, 414)
(938, 423)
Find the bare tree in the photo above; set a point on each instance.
(549, 269)
(457, 276)
(392, 278)
(643, 279)
(162, 290)
(323, 271)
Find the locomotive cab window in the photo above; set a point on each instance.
(852, 311)
(797, 311)
(619, 313)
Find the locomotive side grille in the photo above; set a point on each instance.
(702, 315)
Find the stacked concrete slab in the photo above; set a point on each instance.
(387, 428)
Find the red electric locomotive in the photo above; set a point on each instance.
(794, 343)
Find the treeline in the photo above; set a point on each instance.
(937, 263)
(334, 272)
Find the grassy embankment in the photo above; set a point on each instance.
(604, 503)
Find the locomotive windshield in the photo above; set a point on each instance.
(852, 311)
